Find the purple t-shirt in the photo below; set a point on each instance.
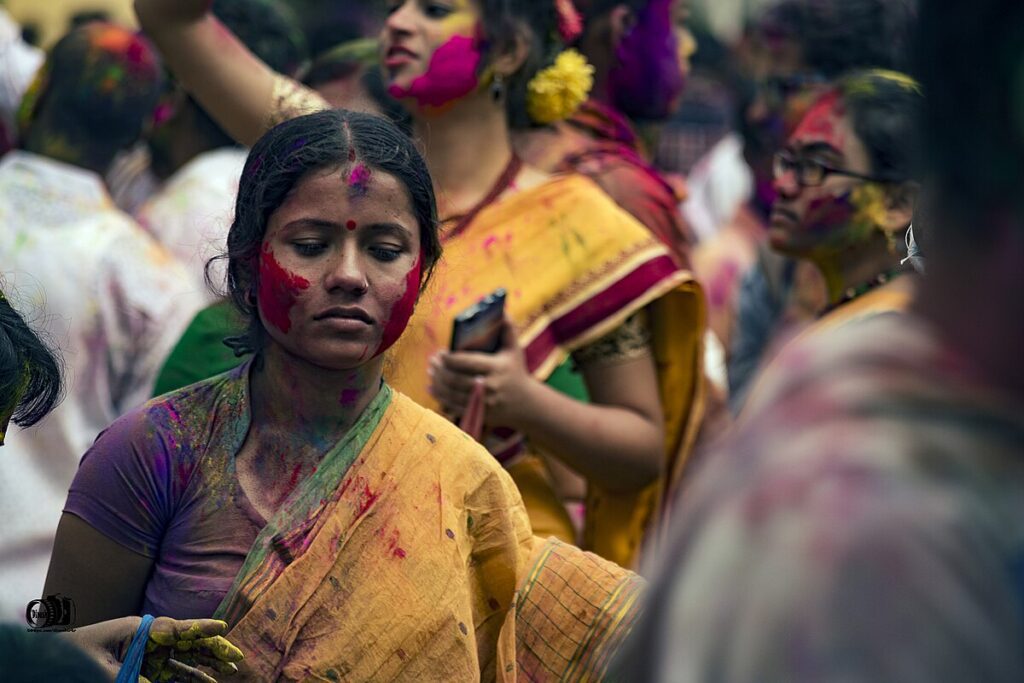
(161, 481)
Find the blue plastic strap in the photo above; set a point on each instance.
(132, 666)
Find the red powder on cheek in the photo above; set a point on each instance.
(277, 291)
(452, 74)
(827, 213)
(402, 310)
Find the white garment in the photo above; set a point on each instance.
(113, 302)
(19, 63)
(718, 185)
(192, 213)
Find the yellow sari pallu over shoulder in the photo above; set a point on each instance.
(575, 267)
(419, 565)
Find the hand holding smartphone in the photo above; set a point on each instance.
(478, 328)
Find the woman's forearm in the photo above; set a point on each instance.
(214, 66)
(617, 448)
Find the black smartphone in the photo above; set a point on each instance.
(478, 328)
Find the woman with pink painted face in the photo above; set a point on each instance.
(337, 527)
(585, 281)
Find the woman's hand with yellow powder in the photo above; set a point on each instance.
(178, 647)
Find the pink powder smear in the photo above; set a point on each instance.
(452, 74)
(402, 310)
(278, 291)
(359, 180)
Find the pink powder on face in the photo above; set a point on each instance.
(359, 180)
(402, 310)
(451, 74)
(278, 291)
(827, 213)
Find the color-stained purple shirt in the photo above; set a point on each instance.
(161, 482)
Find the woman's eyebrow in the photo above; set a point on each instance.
(389, 228)
(300, 223)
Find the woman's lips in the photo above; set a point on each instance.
(398, 56)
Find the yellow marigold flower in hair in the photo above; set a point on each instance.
(557, 92)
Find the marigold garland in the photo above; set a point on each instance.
(556, 92)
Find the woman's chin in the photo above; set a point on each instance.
(348, 357)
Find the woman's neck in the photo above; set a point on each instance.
(855, 266)
(467, 147)
(310, 402)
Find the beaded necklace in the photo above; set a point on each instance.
(860, 290)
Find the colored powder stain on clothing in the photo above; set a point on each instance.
(402, 310)
(366, 500)
(452, 74)
(278, 291)
(359, 182)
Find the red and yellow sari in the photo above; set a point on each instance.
(575, 267)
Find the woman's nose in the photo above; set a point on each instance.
(400, 19)
(347, 273)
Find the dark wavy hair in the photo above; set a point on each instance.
(884, 109)
(534, 21)
(27, 365)
(286, 154)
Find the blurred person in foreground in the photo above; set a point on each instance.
(30, 387)
(640, 51)
(863, 523)
(796, 50)
(110, 296)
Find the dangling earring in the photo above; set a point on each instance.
(498, 88)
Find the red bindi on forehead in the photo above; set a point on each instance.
(823, 122)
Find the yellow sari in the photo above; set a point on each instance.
(575, 267)
(419, 565)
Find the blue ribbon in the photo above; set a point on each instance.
(132, 666)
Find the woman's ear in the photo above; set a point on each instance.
(899, 205)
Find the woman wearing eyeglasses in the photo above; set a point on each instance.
(846, 193)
